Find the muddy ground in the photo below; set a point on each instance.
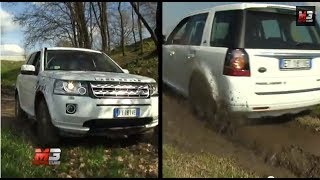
(277, 147)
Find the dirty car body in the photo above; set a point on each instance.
(252, 56)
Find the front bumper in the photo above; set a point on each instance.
(96, 115)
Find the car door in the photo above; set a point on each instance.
(30, 85)
(186, 61)
(23, 87)
(173, 50)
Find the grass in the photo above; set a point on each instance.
(96, 161)
(9, 72)
(204, 165)
(311, 121)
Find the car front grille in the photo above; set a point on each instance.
(120, 90)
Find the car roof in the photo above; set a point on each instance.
(72, 48)
(239, 6)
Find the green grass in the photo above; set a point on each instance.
(9, 72)
(200, 165)
(95, 161)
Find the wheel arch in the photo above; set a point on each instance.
(207, 75)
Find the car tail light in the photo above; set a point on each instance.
(236, 63)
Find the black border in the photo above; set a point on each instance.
(158, 32)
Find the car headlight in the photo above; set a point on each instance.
(70, 87)
(153, 89)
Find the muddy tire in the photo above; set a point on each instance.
(201, 99)
(46, 132)
(19, 113)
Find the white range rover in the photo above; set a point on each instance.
(75, 91)
(251, 57)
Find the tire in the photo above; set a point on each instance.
(201, 98)
(19, 113)
(47, 133)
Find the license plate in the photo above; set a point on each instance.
(126, 112)
(295, 64)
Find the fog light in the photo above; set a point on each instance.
(71, 108)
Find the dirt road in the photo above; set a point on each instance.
(277, 147)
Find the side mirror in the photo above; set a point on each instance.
(28, 69)
(126, 71)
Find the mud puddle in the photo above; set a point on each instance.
(276, 147)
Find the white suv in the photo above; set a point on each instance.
(74, 91)
(251, 57)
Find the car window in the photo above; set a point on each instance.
(198, 22)
(36, 62)
(271, 29)
(224, 28)
(180, 34)
(300, 33)
(31, 58)
(189, 31)
(72, 60)
(279, 31)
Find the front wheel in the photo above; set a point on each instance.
(47, 133)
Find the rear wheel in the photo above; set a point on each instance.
(47, 133)
(201, 98)
(19, 113)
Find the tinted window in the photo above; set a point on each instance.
(198, 22)
(36, 62)
(189, 31)
(267, 30)
(179, 34)
(225, 30)
(69, 60)
(31, 58)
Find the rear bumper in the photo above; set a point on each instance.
(241, 98)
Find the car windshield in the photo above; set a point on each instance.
(268, 30)
(72, 60)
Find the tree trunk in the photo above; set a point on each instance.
(108, 32)
(122, 30)
(139, 25)
(134, 34)
(153, 35)
(80, 16)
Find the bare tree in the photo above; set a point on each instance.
(122, 29)
(145, 23)
(140, 27)
(133, 27)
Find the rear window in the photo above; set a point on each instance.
(267, 30)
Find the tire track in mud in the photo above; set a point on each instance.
(277, 147)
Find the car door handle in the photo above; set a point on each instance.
(190, 56)
(171, 53)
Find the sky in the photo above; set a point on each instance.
(12, 36)
(173, 12)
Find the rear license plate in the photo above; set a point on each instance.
(287, 64)
(126, 112)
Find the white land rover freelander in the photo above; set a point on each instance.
(252, 57)
(78, 91)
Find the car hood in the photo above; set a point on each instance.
(96, 76)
